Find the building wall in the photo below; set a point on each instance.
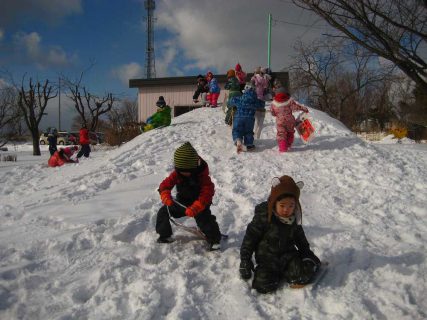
(174, 96)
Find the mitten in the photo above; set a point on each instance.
(246, 267)
(166, 197)
(194, 209)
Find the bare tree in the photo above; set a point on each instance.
(338, 78)
(130, 110)
(89, 106)
(393, 29)
(9, 113)
(122, 122)
(32, 101)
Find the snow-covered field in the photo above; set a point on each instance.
(78, 242)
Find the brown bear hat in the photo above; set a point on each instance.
(284, 185)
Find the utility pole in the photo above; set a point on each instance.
(59, 105)
(150, 65)
(269, 42)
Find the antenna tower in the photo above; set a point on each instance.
(150, 64)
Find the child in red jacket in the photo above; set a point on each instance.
(195, 191)
(84, 142)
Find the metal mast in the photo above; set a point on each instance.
(150, 65)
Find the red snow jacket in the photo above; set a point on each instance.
(56, 160)
(84, 136)
(198, 186)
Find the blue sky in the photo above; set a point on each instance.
(47, 38)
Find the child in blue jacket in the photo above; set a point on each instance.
(244, 118)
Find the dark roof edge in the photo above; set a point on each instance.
(188, 80)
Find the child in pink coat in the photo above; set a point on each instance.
(282, 107)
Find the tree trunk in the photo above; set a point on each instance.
(36, 145)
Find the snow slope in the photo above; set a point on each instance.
(78, 242)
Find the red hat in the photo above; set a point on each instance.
(281, 97)
(238, 67)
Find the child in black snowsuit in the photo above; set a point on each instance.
(277, 238)
(195, 191)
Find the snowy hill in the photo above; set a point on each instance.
(78, 242)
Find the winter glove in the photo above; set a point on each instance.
(166, 197)
(194, 209)
(246, 267)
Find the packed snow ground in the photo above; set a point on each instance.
(78, 242)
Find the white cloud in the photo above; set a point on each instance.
(216, 39)
(29, 48)
(128, 71)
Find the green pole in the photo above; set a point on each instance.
(269, 41)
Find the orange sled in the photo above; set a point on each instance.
(304, 127)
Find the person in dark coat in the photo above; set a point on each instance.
(201, 90)
(51, 139)
(277, 238)
(195, 191)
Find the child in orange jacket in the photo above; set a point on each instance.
(62, 156)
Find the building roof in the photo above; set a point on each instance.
(191, 80)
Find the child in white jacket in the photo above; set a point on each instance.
(260, 81)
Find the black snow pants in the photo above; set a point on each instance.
(205, 220)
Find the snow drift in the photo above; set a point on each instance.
(78, 242)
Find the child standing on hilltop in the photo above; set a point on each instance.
(261, 86)
(214, 90)
(195, 191)
(241, 76)
(277, 238)
(281, 108)
(201, 90)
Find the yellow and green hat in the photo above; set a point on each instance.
(186, 157)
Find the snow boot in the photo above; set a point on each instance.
(214, 246)
(283, 146)
(165, 240)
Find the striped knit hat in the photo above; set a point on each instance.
(186, 157)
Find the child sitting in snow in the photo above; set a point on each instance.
(195, 191)
(244, 118)
(277, 238)
(282, 107)
(161, 118)
(62, 156)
